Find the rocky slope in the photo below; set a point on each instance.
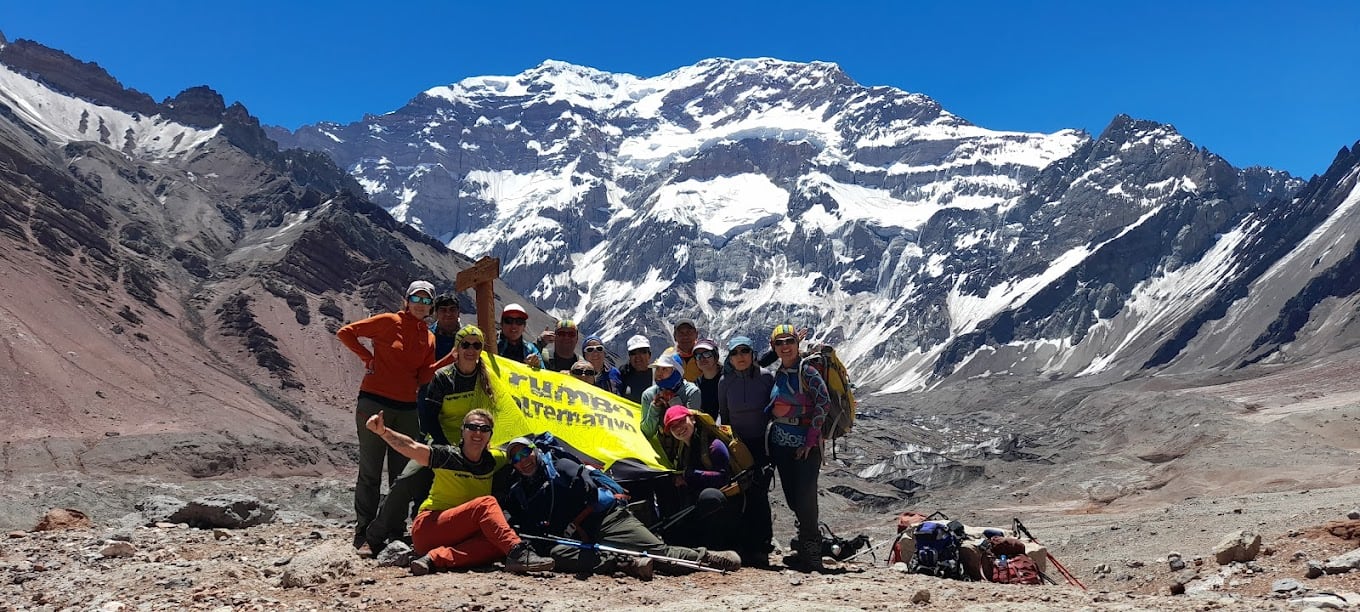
(172, 282)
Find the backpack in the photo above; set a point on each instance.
(840, 416)
(1019, 569)
(937, 550)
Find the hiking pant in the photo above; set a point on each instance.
(798, 477)
(621, 530)
(469, 535)
(372, 451)
(411, 487)
(755, 523)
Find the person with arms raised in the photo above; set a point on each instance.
(461, 525)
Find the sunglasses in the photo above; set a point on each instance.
(741, 350)
(470, 345)
(514, 321)
(596, 348)
(583, 372)
(523, 453)
(642, 351)
(420, 299)
(477, 427)
(704, 355)
(784, 342)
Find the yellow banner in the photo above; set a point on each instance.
(591, 421)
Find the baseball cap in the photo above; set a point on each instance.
(566, 324)
(706, 343)
(736, 342)
(668, 359)
(419, 285)
(520, 441)
(514, 309)
(684, 322)
(674, 415)
(639, 341)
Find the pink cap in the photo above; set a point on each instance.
(674, 415)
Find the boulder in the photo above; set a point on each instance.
(1341, 564)
(325, 562)
(1237, 546)
(228, 511)
(62, 518)
(396, 554)
(117, 548)
(160, 509)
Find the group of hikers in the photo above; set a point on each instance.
(724, 423)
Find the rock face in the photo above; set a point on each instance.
(225, 511)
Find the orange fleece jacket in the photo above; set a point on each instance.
(403, 353)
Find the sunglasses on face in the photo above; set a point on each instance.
(583, 372)
(477, 427)
(520, 455)
(636, 352)
(784, 342)
(741, 350)
(595, 349)
(703, 355)
(420, 299)
(514, 321)
(470, 345)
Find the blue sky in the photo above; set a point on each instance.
(1256, 82)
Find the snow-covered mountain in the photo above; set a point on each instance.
(745, 193)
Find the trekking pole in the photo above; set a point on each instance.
(1019, 528)
(870, 549)
(606, 549)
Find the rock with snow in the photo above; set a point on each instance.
(1240, 545)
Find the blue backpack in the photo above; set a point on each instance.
(937, 550)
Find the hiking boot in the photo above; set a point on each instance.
(805, 559)
(522, 558)
(421, 566)
(725, 560)
(638, 567)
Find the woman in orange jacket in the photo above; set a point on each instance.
(401, 360)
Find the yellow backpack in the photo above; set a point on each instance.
(840, 417)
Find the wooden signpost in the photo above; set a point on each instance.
(482, 276)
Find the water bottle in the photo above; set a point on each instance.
(1001, 563)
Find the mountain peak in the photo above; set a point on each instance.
(66, 74)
